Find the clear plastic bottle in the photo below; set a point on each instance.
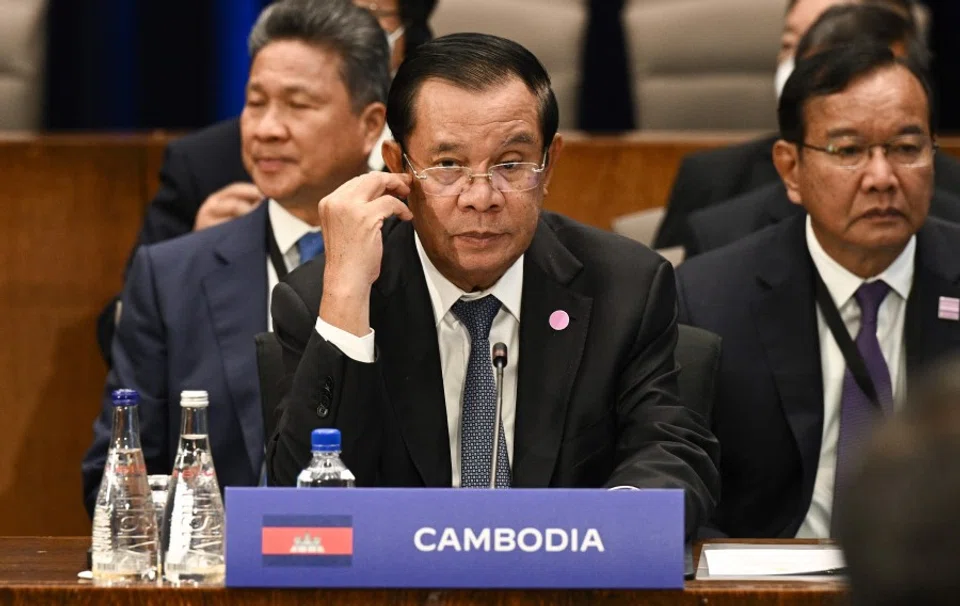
(326, 469)
(125, 543)
(194, 517)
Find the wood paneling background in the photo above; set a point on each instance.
(72, 207)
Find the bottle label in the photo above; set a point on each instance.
(181, 518)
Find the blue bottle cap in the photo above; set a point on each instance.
(125, 397)
(325, 440)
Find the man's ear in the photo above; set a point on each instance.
(392, 156)
(786, 159)
(372, 120)
(553, 152)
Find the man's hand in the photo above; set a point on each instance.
(351, 218)
(232, 201)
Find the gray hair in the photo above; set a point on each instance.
(352, 32)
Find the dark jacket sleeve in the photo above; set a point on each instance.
(322, 388)
(663, 444)
(140, 362)
(686, 196)
(173, 209)
(171, 213)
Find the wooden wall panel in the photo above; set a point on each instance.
(72, 207)
(69, 216)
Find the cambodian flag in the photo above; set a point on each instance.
(289, 540)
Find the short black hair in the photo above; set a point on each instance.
(832, 71)
(898, 518)
(849, 23)
(475, 62)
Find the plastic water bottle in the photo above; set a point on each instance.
(326, 469)
(125, 544)
(194, 520)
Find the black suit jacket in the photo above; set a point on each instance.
(715, 176)
(194, 167)
(596, 402)
(758, 295)
(725, 223)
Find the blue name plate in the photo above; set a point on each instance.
(446, 538)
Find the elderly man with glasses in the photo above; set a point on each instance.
(389, 340)
(826, 315)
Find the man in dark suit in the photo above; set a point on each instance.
(203, 181)
(398, 357)
(796, 393)
(720, 225)
(713, 177)
(192, 305)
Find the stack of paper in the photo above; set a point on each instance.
(734, 561)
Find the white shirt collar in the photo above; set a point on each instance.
(287, 228)
(842, 284)
(443, 293)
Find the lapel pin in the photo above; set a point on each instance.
(559, 320)
(949, 309)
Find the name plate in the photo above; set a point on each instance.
(449, 538)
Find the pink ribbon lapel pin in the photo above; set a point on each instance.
(949, 309)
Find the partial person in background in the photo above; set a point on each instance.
(899, 520)
(203, 181)
(191, 307)
(825, 315)
(724, 223)
(715, 176)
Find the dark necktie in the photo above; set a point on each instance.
(858, 414)
(310, 245)
(480, 399)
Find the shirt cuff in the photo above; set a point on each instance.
(359, 349)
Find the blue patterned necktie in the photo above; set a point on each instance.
(858, 414)
(480, 399)
(310, 245)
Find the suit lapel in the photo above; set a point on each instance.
(237, 300)
(407, 340)
(936, 274)
(786, 320)
(549, 358)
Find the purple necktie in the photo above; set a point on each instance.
(858, 414)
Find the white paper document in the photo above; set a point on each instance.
(773, 561)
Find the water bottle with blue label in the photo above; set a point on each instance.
(326, 469)
(125, 544)
(194, 516)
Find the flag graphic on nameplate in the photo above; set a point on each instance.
(308, 540)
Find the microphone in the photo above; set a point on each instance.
(499, 355)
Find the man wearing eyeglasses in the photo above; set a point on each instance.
(825, 315)
(390, 339)
(721, 224)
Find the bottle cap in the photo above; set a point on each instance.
(194, 399)
(325, 440)
(125, 397)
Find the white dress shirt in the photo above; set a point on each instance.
(454, 343)
(287, 230)
(890, 322)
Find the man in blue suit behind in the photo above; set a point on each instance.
(192, 305)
